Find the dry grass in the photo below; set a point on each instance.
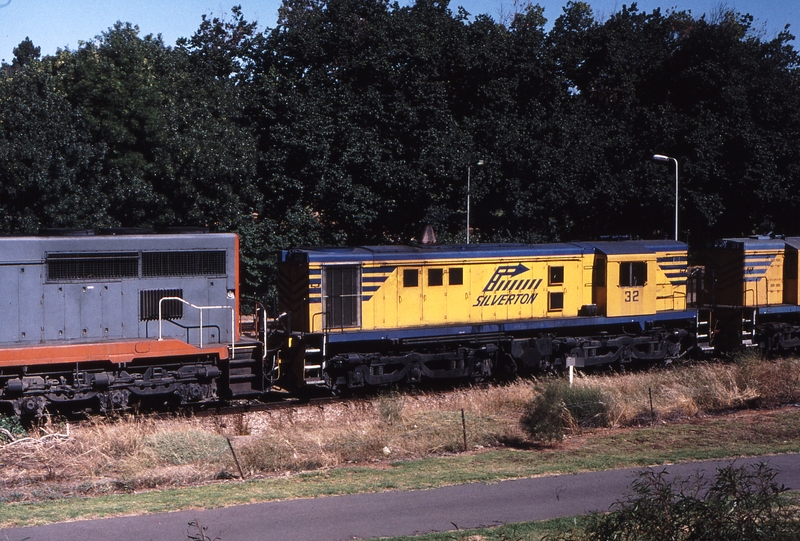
(679, 392)
(394, 426)
(135, 453)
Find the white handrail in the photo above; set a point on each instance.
(201, 308)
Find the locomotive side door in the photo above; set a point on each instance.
(632, 281)
(9, 302)
(599, 285)
(434, 295)
(55, 312)
(457, 291)
(341, 296)
(790, 267)
(409, 297)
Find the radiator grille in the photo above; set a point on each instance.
(92, 266)
(196, 263)
(148, 304)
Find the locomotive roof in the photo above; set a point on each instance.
(467, 251)
(433, 251)
(754, 243)
(794, 242)
(634, 246)
(34, 248)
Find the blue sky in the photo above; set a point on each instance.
(53, 24)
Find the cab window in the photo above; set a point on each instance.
(632, 274)
(341, 290)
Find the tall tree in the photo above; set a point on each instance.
(50, 167)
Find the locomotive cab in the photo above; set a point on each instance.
(635, 278)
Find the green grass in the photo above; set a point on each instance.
(527, 531)
(186, 446)
(713, 438)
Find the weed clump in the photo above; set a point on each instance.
(558, 408)
(390, 407)
(187, 447)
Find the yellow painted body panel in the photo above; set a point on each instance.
(763, 288)
(671, 277)
(751, 277)
(490, 290)
(375, 289)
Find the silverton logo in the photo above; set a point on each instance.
(507, 286)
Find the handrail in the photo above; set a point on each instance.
(201, 308)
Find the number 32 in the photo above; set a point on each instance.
(632, 296)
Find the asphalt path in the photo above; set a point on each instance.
(338, 518)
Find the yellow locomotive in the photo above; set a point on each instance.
(751, 295)
(389, 314)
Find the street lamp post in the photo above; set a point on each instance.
(469, 170)
(666, 159)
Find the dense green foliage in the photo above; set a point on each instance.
(740, 503)
(355, 121)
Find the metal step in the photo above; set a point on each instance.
(240, 378)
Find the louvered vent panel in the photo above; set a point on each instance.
(148, 304)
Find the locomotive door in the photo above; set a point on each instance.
(790, 267)
(632, 280)
(599, 287)
(434, 296)
(9, 302)
(457, 293)
(409, 298)
(55, 312)
(341, 296)
(91, 311)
